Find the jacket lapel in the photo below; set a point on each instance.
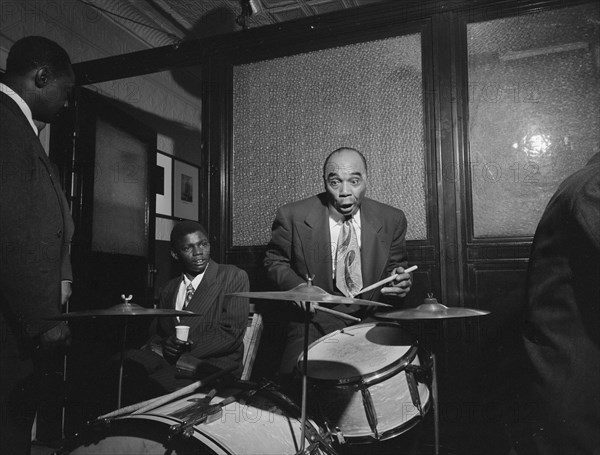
(38, 149)
(373, 251)
(316, 245)
(205, 291)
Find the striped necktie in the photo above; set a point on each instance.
(189, 292)
(348, 275)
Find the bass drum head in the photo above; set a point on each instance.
(357, 351)
(263, 424)
(141, 436)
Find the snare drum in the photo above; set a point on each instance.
(367, 382)
(260, 425)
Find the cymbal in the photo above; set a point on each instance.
(432, 311)
(307, 293)
(121, 310)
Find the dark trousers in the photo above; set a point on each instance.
(148, 375)
(19, 397)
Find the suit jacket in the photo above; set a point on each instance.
(562, 336)
(217, 334)
(300, 244)
(35, 231)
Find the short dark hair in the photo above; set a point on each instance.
(341, 149)
(33, 52)
(184, 228)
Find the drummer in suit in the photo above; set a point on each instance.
(216, 337)
(341, 239)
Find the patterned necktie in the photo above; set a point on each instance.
(348, 276)
(189, 292)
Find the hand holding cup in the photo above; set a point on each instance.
(182, 332)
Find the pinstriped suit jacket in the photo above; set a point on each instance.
(217, 334)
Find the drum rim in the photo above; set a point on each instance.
(367, 379)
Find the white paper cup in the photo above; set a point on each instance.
(182, 332)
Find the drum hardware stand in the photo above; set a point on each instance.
(303, 420)
(436, 408)
(126, 301)
(63, 414)
(304, 376)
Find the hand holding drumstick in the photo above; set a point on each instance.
(400, 279)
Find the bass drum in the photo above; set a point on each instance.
(368, 382)
(259, 425)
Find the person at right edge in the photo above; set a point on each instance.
(562, 323)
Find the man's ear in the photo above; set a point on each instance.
(42, 77)
(174, 255)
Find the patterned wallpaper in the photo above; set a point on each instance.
(290, 112)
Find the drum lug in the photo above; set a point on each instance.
(369, 410)
(339, 436)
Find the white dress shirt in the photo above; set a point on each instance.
(180, 300)
(21, 103)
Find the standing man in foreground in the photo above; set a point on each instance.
(562, 326)
(35, 232)
(342, 239)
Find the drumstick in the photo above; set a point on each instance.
(386, 280)
(149, 404)
(324, 309)
(169, 397)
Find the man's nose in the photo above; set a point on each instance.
(344, 189)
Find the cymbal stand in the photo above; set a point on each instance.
(63, 412)
(306, 306)
(123, 348)
(436, 409)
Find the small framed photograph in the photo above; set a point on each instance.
(163, 178)
(185, 190)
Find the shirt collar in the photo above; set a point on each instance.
(196, 281)
(21, 103)
(337, 218)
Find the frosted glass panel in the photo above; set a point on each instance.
(534, 112)
(290, 113)
(119, 214)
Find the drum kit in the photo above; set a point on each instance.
(370, 382)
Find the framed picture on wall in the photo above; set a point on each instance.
(163, 183)
(185, 190)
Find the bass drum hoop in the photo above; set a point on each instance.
(199, 442)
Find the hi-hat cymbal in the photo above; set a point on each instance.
(432, 311)
(307, 293)
(122, 310)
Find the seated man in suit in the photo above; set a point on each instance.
(215, 337)
(344, 241)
